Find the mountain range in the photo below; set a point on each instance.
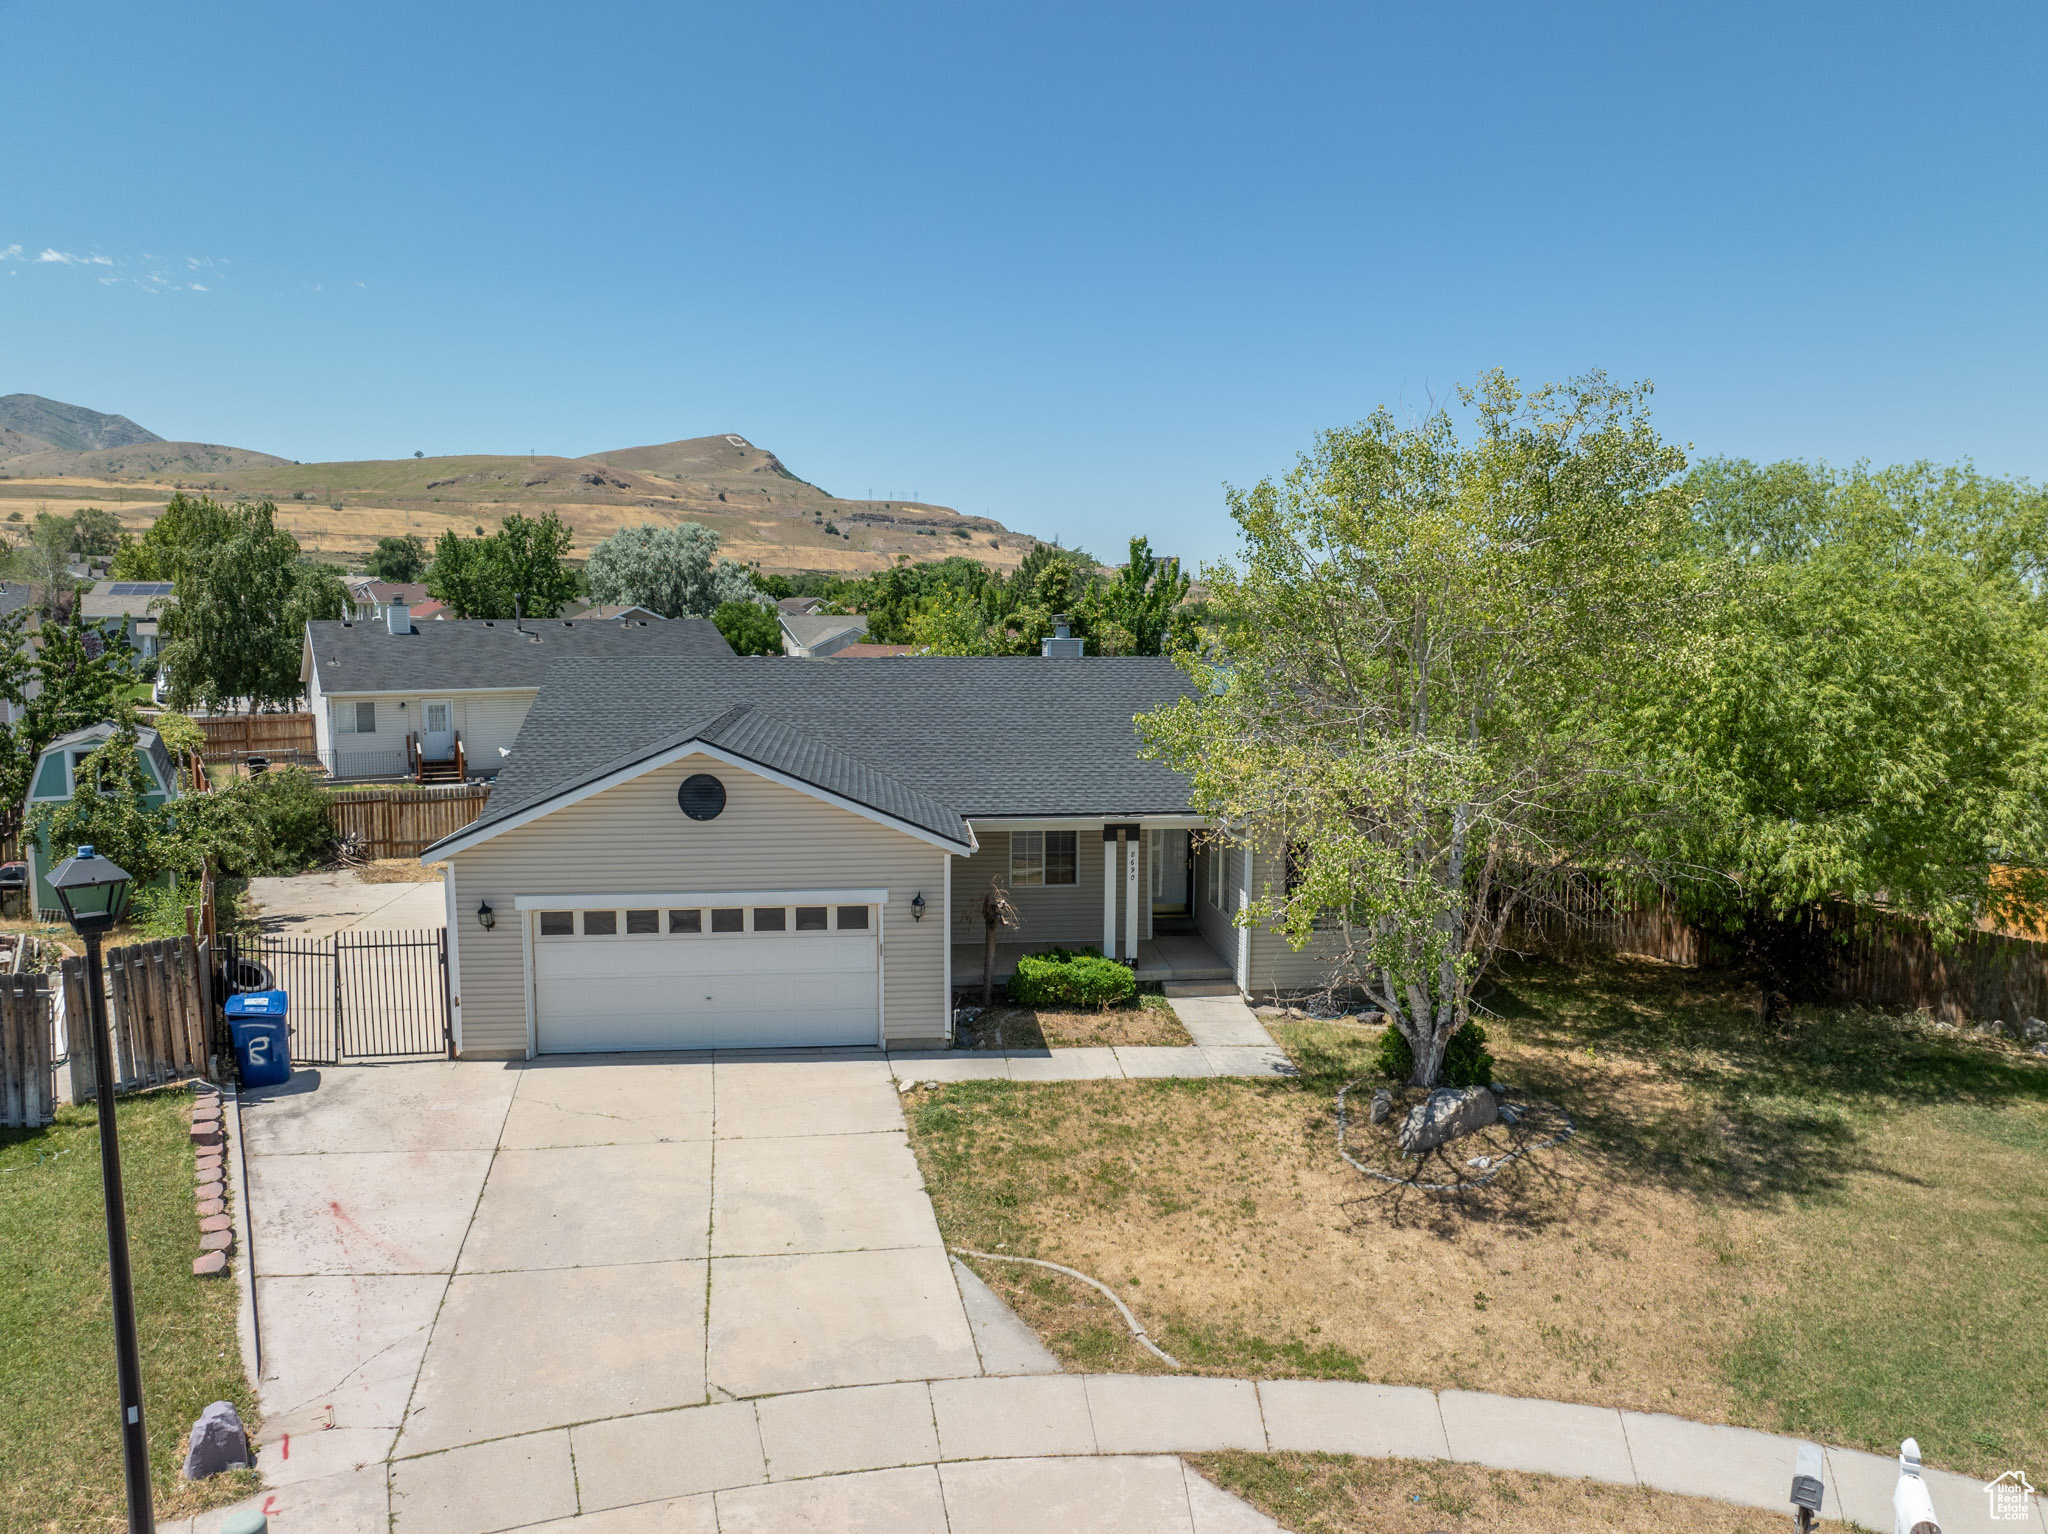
(59, 457)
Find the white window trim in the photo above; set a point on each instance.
(1042, 882)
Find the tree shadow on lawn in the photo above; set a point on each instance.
(1672, 1078)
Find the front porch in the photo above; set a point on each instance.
(1167, 957)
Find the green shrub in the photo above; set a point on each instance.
(293, 809)
(1064, 979)
(158, 910)
(1467, 1063)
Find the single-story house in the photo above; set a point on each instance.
(871, 651)
(765, 853)
(800, 606)
(127, 608)
(388, 696)
(821, 634)
(54, 781)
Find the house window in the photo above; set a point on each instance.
(810, 918)
(686, 921)
(355, 718)
(1044, 857)
(771, 918)
(600, 923)
(853, 918)
(557, 923)
(729, 919)
(642, 921)
(1219, 874)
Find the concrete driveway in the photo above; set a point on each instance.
(462, 1268)
(321, 904)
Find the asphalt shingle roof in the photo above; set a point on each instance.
(469, 653)
(925, 739)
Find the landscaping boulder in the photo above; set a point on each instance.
(217, 1443)
(1444, 1115)
(1382, 1105)
(2034, 1031)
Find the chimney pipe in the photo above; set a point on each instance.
(398, 618)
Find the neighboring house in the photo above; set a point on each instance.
(800, 607)
(372, 598)
(871, 651)
(607, 610)
(761, 852)
(129, 608)
(821, 634)
(54, 781)
(390, 696)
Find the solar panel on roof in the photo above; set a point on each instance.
(140, 589)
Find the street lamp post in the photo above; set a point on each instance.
(93, 890)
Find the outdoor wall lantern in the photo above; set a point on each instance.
(917, 907)
(94, 891)
(484, 916)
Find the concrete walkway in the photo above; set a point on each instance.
(624, 1294)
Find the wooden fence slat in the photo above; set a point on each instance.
(78, 1030)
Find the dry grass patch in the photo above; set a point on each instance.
(1149, 1020)
(1837, 1231)
(1337, 1494)
(399, 871)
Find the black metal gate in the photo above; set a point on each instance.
(355, 995)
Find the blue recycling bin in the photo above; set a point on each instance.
(263, 1047)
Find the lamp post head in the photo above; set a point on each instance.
(93, 890)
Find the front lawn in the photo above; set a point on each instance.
(1837, 1230)
(1340, 1494)
(59, 1403)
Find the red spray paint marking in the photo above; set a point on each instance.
(287, 1442)
(269, 1504)
(348, 1226)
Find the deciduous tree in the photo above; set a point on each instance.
(1427, 641)
(674, 571)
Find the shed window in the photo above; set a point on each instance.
(600, 923)
(686, 921)
(642, 921)
(771, 918)
(355, 718)
(1044, 857)
(729, 919)
(557, 923)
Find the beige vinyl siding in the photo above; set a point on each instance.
(1275, 966)
(488, 721)
(484, 720)
(1066, 915)
(633, 837)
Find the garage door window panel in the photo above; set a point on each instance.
(558, 924)
(642, 922)
(729, 919)
(853, 918)
(600, 923)
(811, 918)
(686, 921)
(771, 918)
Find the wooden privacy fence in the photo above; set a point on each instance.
(28, 1064)
(404, 822)
(232, 735)
(1888, 962)
(1893, 964)
(161, 1005)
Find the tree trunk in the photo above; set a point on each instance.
(988, 967)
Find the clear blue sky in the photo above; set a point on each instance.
(1073, 266)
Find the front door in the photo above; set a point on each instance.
(437, 733)
(1169, 873)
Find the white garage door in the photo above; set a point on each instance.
(706, 977)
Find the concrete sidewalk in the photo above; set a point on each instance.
(1225, 1040)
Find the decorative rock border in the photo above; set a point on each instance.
(209, 1146)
